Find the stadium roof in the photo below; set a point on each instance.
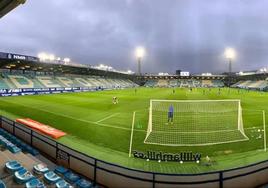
(8, 5)
(29, 63)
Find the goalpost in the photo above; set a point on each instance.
(195, 122)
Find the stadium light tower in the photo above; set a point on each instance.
(140, 52)
(230, 55)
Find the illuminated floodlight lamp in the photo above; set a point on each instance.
(230, 53)
(66, 60)
(51, 57)
(42, 56)
(140, 52)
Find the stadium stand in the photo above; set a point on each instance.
(183, 83)
(22, 169)
(16, 81)
(261, 85)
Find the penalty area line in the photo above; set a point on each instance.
(131, 135)
(107, 118)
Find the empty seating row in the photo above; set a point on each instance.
(14, 144)
(22, 175)
(9, 145)
(60, 177)
(183, 83)
(21, 81)
(261, 85)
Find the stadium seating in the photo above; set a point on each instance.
(261, 85)
(2, 184)
(14, 144)
(51, 177)
(60, 170)
(71, 177)
(15, 81)
(183, 83)
(82, 183)
(162, 83)
(40, 169)
(35, 183)
(23, 175)
(63, 184)
(13, 166)
(20, 174)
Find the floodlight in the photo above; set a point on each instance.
(230, 53)
(42, 56)
(51, 57)
(140, 52)
(66, 60)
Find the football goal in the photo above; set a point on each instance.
(194, 122)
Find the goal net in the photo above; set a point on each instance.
(194, 122)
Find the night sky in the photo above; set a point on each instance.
(178, 34)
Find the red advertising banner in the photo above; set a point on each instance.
(47, 130)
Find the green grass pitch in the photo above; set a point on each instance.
(101, 129)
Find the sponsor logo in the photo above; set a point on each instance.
(20, 57)
(173, 157)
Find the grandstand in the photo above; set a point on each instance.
(11, 81)
(261, 85)
(195, 82)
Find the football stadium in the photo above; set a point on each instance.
(69, 124)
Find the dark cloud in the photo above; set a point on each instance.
(178, 34)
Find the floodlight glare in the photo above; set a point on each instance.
(51, 57)
(66, 60)
(230, 53)
(140, 52)
(42, 56)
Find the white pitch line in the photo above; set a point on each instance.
(131, 135)
(107, 118)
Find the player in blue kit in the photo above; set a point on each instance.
(170, 114)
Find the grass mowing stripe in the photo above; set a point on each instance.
(82, 120)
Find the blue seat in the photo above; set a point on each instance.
(35, 183)
(63, 184)
(31, 150)
(2, 184)
(51, 177)
(13, 148)
(22, 176)
(40, 169)
(71, 177)
(82, 183)
(12, 166)
(60, 170)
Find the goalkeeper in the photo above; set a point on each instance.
(170, 114)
